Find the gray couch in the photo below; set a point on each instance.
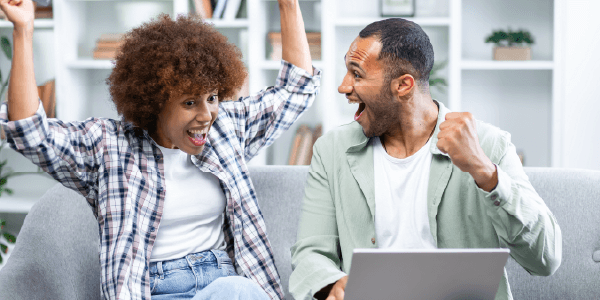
(56, 252)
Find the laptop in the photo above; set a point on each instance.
(425, 274)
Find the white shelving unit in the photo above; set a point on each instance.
(521, 97)
(524, 98)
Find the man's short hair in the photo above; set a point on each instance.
(406, 48)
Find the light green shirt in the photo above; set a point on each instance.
(339, 206)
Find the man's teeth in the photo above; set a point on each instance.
(353, 101)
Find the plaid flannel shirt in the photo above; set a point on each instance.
(119, 170)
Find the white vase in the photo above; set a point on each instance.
(132, 14)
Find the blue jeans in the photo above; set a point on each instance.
(204, 275)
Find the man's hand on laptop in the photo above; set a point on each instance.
(337, 291)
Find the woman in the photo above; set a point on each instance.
(168, 184)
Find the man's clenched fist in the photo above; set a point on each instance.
(458, 138)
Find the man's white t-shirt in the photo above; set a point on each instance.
(192, 219)
(401, 220)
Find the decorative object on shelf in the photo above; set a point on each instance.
(301, 150)
(435, 80)
(7, 49)
(521, 155)
(43, 9)
(5, 240)
(107, 45)
(218, 9)
(48, 96)
(397, 8)
(131, 14)
(510, 45)
(314, 45)
(203, 8)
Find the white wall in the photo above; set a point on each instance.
(581, 136)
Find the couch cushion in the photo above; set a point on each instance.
(573, 196)
(280, 190)
(56, 254)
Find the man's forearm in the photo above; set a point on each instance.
(293, 35)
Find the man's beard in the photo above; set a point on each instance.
(385, 113)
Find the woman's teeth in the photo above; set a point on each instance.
(198, 137)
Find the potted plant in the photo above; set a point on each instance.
(511, 45)
(7, 49)
(5, 240)
(437, 81)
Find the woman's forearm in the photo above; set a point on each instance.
(23, 98)
(293, 35)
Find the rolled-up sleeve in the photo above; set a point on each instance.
(261, 118)
(522, 220)
(70, 152)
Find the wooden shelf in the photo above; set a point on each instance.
(20, 205)
(38, 23)
(507, 65)
(91, 64)
(237, 23)
(27, 190)
(275, 64)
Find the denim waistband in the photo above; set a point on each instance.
(209, 256)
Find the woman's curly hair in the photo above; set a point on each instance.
(164, 58)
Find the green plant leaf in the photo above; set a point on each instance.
(437, 81)
(4, 248)
(0, 259)
(8, 191)
(9, 237)
(6, 47)
(4, 85)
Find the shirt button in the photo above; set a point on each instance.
(494, 197)
(373, 241)
(157, 157)
(497, 203)
(160, 190)
(152, 229)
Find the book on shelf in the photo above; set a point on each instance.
(47, 94)
(42, 12)
(203, 8)
(314, 45)
(232, 9)
(301, 148)
(107, 46)
(218, 11)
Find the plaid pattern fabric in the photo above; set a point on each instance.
(119, 170)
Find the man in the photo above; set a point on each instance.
(410, 174)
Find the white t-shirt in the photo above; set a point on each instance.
(401, 220)
(192, 219)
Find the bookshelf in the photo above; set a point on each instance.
(524, 98)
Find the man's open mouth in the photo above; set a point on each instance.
(361, 108)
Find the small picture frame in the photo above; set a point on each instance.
(397, 8)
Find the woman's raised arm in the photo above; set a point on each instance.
(293, 35)
(23, 98)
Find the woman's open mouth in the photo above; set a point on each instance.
(197, 136)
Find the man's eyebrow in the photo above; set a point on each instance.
(355, 64)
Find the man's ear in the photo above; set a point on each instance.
(402, 85)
